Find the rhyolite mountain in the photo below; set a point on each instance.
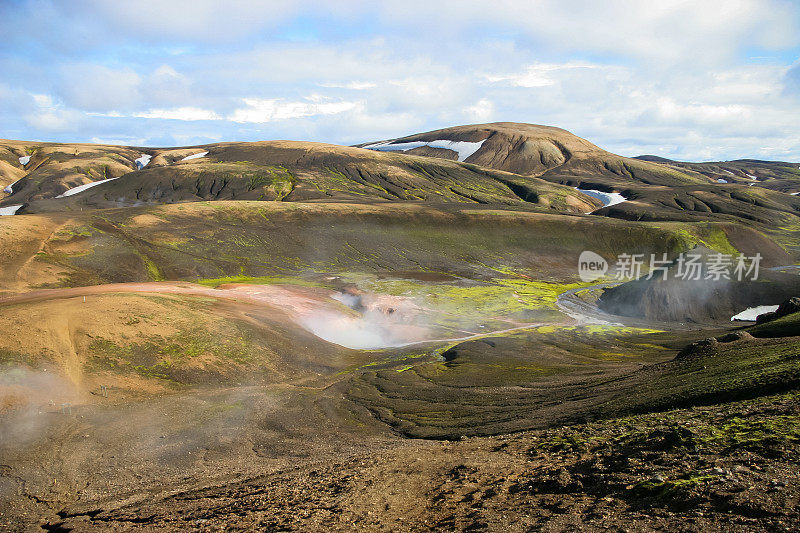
(517, 166)
(777, 175)
(655, 189)
(274, 170)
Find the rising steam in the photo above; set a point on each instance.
(375, 322)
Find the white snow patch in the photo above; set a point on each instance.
(81, 188)
(142, 161)
(464, 149)
(729, 172)
(10, 188)
(795, 193)
(608, 198)
(751, 313)
(396, 147)
(10, 210)
(194, 156)
(720, 180)
(24, 160)
(754, 178)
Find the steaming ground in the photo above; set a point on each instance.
(101, 421)
(313, 352)
(100, 441)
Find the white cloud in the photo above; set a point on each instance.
(539, 74)
(95, 87)
(208, 20)
(166, 86)
(667, 31)
(53, 120)
(482, 111)
(668, 110)
(179, 113)
(45, 114)
(121, 141)
(354, 85)
(269, 110)
(672, 77)
(43, 100)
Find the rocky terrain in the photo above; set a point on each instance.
(393, 336)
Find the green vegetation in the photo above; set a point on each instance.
(171, 358)
(499, 383)
(11, 358)
(278, 181)
(258, 280)
(153, 271)
(785, 326)
(738, 433)
(484, 300)
(671, 489)
(726, 372)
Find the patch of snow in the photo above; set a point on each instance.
(729, 172)
(751, 313)
(754, 178)
(142, 161)
(608, 198)
(395, 147)
(720, 180)
(9, 188)
(24, 160)
(464, 149)
(10, 210)
(81, 188)
(795, 193)
(194, 156)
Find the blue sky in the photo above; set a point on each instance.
(693, 80)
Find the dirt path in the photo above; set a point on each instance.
(61, 340)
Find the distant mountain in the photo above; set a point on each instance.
(653, 159)
(532, 150)
(655, 188)
(776, 175)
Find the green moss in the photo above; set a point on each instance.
(671, 489)
(257, 280)
(11, 357)
(476, 302)
(279, 180)
(712, 236)
(732, 371)
(740, 433)
(785, 326)
(153, 271)
(569, 442)
(167, 357)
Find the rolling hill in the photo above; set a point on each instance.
(776, 175)
(276, 170)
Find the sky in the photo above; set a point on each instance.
(689, 80)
